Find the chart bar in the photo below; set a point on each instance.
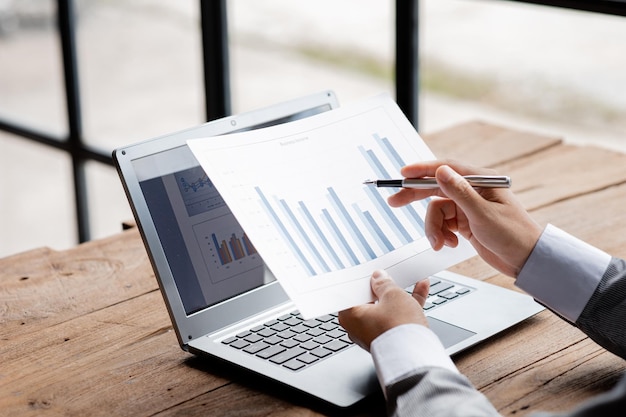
(374, 230)
(389, 216)
(374, 163)
(284, 232)
(303, 235)
(390, 151)
(222, 250)
(340, 238)
(320, 235)
(397, 161)
(350, 225)
(248, 246)
(414, 218)
(236, 247)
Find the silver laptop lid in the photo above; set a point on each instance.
(209, 272)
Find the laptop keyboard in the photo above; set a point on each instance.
(295, 344)
(443, 291)
(292, 342)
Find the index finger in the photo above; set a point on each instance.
(428, 168)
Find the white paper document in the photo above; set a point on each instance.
(297, 190)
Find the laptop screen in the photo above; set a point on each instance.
(209, 254)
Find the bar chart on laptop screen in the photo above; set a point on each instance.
(338, 229)
(226, 249)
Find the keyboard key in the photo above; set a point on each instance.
(321, 352)
(253, 338)
(287, 355)
(336, 334)
(448, 295)
(287, 334)
(239, 344)
(292, 321)
(294, 364)
(273, 340)
(229, 340)
(307, 358)
(303, 337)
(289, 343)
(329, 326)
(462, 291)
(271, 351)
(322, 339)
(315, 332)
(300, 328)
(279, 327)
(325, 318)
(266, 332)
(256, 347)
(336, 345)
(310, 345)
(311, 323)
(440, 287)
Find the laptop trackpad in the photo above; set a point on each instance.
(448, 333)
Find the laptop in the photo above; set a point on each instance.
(223, 301)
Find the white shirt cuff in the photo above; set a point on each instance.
(562, 272)
(403, 349)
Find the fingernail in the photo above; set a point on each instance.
(432, 240)
(379, 273)
(445, 173)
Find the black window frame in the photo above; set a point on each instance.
(214, 33)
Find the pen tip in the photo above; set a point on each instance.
(368, 182)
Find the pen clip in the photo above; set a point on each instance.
(491, 180)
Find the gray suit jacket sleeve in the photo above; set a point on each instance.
(440, 392)
(436, 392)
(604, 317)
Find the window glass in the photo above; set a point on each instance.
(140, 69)
(108, 206)
(284, 49)
(31, 75)
(36, 197)
(538, 68)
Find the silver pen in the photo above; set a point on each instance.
(482, 181)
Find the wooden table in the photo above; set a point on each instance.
(85, 331)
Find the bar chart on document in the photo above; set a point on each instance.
(341, 228)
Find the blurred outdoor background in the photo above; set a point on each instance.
(536, 68)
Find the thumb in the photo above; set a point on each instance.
(381, 282)
(459, 190)
(420, 291)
